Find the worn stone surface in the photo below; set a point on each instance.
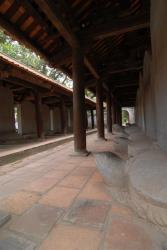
(95, 189)
(151, 98)
(120, 146)
(147, 186)
(37, 221)
(19, 202)
(112, 168)
(10, 241)
(41, 185)
(89, 209)
(88, 213)
(73, 181)
(65, 237)
(149, 174)
(59, 197)
(127, 235)
(83, 171)
(4, 217)
(116, 128)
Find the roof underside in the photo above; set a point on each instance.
(113, 34)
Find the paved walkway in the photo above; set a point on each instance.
(60, 202)
(25, 147)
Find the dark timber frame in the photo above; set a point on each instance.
(108, 40)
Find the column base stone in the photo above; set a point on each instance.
(80, 153)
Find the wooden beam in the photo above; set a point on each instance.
(55, 15)
(126, 85)
(122, 26)
(23, 83)
(91, 68)
(63, 56)
(52, 11)
(125, 70)
(35, 14)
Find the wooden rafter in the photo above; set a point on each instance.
(127, 69)
(119, 27)
(59, 22)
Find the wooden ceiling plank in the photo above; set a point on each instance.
(34, 13)
(13, 8)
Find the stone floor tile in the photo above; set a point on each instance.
(57, 174)
(121, 210)
(66, 166)
(37, 221)
(10, 241)
(11, 187)
(126, 235)
(95, 191)
(59, 197)
(65, 237)
(4, 217)
(88, 163)
(97, 177)
(41, 185)
(75, 160)
(88, 213)
(19, 202)
(74, 181)
(83, 171)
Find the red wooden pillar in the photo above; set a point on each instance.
(109, 115)
(63, 115)
(99, 110)
(92, 118)
(78, 102)
(38, 112)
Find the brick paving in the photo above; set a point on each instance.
(60, 202)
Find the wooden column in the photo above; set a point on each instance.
(92, 118)
(38, 111)
(109, 115)
(99, 110)
(114, 113)
(63, 115)
(86, 119)
(78, 101)
(119, 116)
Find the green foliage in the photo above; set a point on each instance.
(125, 117)
(30, 59)
(89, 94)
(25, 56)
